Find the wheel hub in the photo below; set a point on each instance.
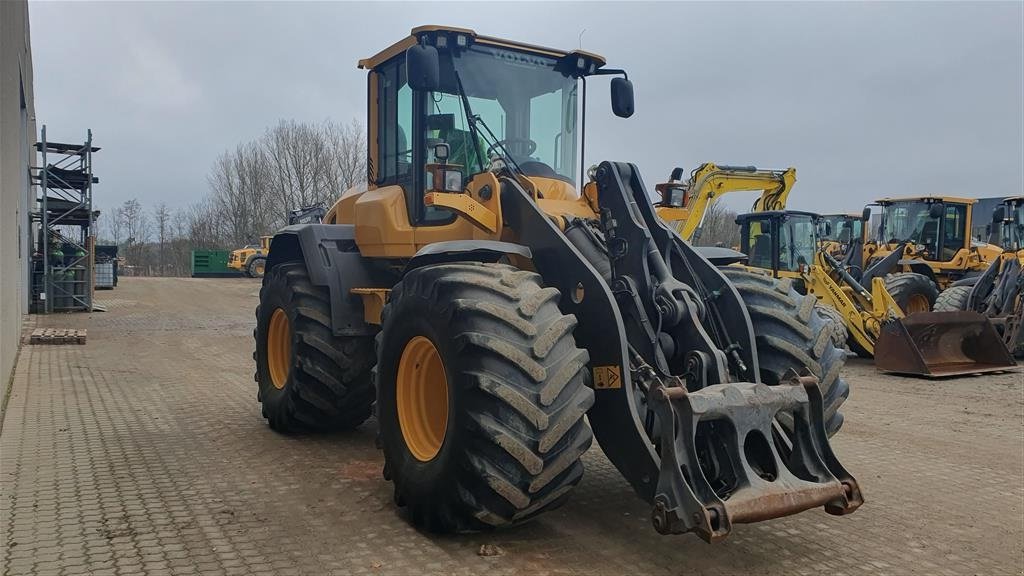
(918, 303)
(279, 348)
(421, 393)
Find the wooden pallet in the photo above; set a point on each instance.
(57, 336)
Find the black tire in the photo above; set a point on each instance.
(790, 336)
(837, 324)
(329, 384)
(255, 267)
(515, 428)
(953, 299)
(910, 290)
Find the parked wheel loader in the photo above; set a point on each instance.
(251, 259)
(842, 234)
(998, 293)
(498, 310)
(933, 237)
(787, 244)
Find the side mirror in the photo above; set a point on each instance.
(999, 215)
(423, 68)
(936, 210)
(622, 97)
(866, 214)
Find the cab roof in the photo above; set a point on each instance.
(955, 199)
(414, 36)
(843, 214)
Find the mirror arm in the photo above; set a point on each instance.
(609, 72)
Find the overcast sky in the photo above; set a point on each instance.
(866, 100)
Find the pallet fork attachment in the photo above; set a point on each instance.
(724, 458)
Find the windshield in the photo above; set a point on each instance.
(844, 229)
(520, 97)
(939, 237)
(907, 222)
(797, 242)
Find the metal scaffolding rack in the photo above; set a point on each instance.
(62, 264)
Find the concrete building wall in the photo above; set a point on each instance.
(17, 137)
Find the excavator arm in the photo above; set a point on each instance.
(685, 204)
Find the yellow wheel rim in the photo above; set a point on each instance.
(279, 348)
(918, 303)
(421, 393)
(259, 268)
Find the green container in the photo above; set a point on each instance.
(211, 263)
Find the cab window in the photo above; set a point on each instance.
(953, 229)
(757, 243)
(394, 125)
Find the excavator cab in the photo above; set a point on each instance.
(782, 241)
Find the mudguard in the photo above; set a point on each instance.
(332, 260)
(466, 251)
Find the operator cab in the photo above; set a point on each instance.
(841, 228)
(783, 241)
(936, 227)
(447, 104)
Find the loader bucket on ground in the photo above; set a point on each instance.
(937, 344)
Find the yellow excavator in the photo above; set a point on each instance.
(933, 236)
(786, 244)
(685, 203)
(998, 293)
(498, 308)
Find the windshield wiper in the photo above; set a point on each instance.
(470, 119)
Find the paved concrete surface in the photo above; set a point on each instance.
(143, 452)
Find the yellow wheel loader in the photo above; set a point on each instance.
(842, 234)
(933, 237)
(685, 203)
(998, 293)
(786, 245)
(494, 304)
(251, 260)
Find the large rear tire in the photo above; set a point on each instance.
(308, 378)
(912, 292)
(837, 324)
(790, 336)
(953, 299)
(481, 396)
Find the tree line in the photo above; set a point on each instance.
(251, 189)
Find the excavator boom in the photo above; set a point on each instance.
(685, 204)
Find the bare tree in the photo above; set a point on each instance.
(136, 225)
(347, 154)
(719, 227)
(162, 218)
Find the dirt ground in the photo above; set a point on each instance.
(143, 452)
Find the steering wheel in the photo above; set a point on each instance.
(510, 144)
